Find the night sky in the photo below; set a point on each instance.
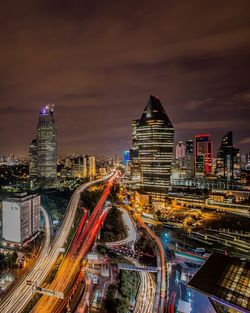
(98, 61)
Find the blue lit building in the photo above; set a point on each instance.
(126, 157)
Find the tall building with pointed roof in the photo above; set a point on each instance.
(46, 147)
(43, 156)
(153, 139)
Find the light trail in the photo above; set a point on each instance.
(22, 288)
(69, 270)
(160, 301)
(19, 298)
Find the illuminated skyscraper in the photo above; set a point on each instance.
(126, 157)
(189, 158)
(203, 155)
(153, 139)
(46, 148)
(91, 167)
(189, 146)
(180, 152)
(78, 164)
(228, 158)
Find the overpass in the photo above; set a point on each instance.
(141, 268)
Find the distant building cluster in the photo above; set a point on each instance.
(79, 166)
(11, 160)
(154, 166)
(46, 170)
(196, 159)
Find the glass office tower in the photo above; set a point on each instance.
(46, 148)
(153, 139)
(203, 155)
(228, 158)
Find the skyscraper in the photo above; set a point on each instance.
(44, 149)
(79, 166)
(126, 157)
(203, 155)
(189, 157)
(228, 158)
(180, 152)
(91, 167)
(33, 160)
(189, 146)
(153, 139)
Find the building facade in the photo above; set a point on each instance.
(152, 151)
(91, 166)
(79, 166)
(228, 159)
(203, 155)
(180, 153)
(20, 217)
(189, 157)
(43, 150)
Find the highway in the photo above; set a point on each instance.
(69, 270)
(19, 298)
(160, 299)
(13, 301)
(146, 293)
(130, 229)
(84, 303)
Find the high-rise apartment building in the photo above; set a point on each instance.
(189, 157)
(81, 166)
(78, 166)
(151, 154)
(228, 158)
(189, 146)
(43, 156)
(180, 152)
(203, 155)
(91, 167)
(20, 217)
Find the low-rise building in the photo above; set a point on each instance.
(141, 198)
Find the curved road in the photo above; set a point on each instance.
(160, 301)
(21, 288)
(146, 293)
(69, 269)
(130, 229)
(17, 300)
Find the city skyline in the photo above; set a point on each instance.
(195, 71)
(125, 156)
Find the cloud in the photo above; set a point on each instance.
(245, 140)
(216, 124)
(99, 60)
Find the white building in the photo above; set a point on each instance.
(20, 217)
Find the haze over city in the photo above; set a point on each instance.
(99, 61)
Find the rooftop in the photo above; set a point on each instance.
(226, 280)
(154, 111)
